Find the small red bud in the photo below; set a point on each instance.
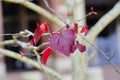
(44, 27)
(91, 8)
(75, 28)
(67, 26)
(22, 54)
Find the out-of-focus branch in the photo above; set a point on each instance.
(52, 10)
(31, 62)
(23, 44)
(38, 10)
(42, 46)
(99, 26)
(103, 22)
(104, 54)
(20, 43)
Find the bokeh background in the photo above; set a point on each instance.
(14, 18)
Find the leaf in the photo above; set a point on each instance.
(75, 28)
(84, 29)
(81, 47)
(45, 54)
(37, 35)
(44, 27)
(38, 32)
(63, 42)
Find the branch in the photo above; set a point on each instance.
(31, 62)
(103, 53)
(38, 10)
(29, 47)
(99, 26)
(20, 43)
(103, 22)
(52, 10)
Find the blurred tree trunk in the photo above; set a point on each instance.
(78, 59)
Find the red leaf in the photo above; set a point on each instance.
(75, 28)
(84, 29)
(81, 47)
(46, 53)
(44, 27)
(63, 42)
(37, 35)
(38, 32)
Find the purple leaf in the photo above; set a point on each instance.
(63, 42)
(81, 47)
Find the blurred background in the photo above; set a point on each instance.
(14, 18)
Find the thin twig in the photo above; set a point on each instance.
(42, 45)
(24, 33)
(92, 55)
(8, 34)
(75, 21)
(104, 21)
(103, 53)
(39, 62)
(38, 56)
(46, 34)
(53, 11)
